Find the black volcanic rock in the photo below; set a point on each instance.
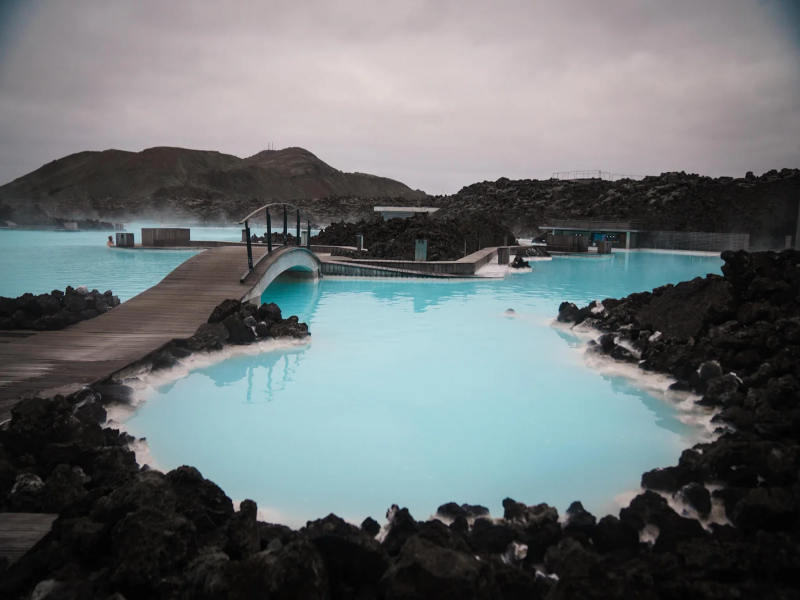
(763, 206)
(55, 310)
(395, 238)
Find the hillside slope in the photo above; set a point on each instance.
(765, 207)
(171, 181)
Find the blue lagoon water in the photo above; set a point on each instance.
(39, 261)
(421, 392)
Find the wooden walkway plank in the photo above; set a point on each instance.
(19, 532)
(93, 349)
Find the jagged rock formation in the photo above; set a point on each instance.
(133, 532)
(395, 238)
(55, 310)
(736, 341)
(765, 206)
(176, 182)
(33, 216)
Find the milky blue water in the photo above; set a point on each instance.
(423, 392)
(39, 261)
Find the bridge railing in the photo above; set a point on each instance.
(265, 208)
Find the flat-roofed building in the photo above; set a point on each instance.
(403, 212)
(621, 234)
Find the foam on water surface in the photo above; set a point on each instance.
(418, 393)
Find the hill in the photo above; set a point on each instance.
(764, 206)
(177, 182)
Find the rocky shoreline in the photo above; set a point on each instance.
(132, 532)
(448, 238)
(55, 310)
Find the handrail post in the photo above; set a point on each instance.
(298, 226)
(249, 246)
(285, 223)
(269, 233)
(308, 239)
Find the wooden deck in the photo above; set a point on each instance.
(19, 532)
(91, 350)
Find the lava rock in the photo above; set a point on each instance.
(613, 535)
(243, 537)
(209, 337)
(698, 497)
(764, 509)
(224, 310)
(401, 527)
(370, 526)
(238, 332)
(579, 520)
(424, 570)
(199, 500)
(353, 559)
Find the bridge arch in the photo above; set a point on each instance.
(295, 259)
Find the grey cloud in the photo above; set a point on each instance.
(437, 94)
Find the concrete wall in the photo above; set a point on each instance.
(694, 240)
(296, 259)
(163, 236)
(464, 266)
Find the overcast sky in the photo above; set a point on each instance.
(437, 94)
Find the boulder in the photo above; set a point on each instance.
(568, 313)
(451, 510)
(262, 330)
(201, 501)
(50, 322)
(488, 537)
(209, 337)
(289, 329)
(613, 535)
(401, 527)
(771, 508)
(698, 497)
(27, 493)
(243, 537)
(115, 393)
(354, 559)
(48, 305)
(74, 303)
(238, 332)
(148, 545)
(370, 526)
(296, 570)
(579, 520)
(720, 390)
(64, 486)
(424, 570)
(269, 312)
(224, 310)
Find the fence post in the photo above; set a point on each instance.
(269, 233)
(249, 247)
(285, 224)
(298, 226)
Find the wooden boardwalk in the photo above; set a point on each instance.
(91, 350)
(19, 532)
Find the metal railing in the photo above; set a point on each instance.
(602, 175)
(599, 225)
(266, 208)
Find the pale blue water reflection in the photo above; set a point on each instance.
(39, 261)
(423, 392)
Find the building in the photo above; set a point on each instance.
(621, 234)
(403, 212)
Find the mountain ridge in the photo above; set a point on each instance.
(100, 183)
